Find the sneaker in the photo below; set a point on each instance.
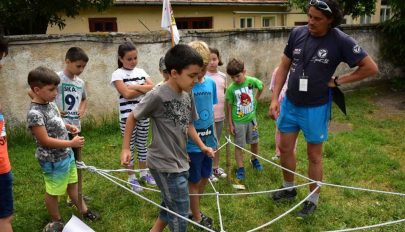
(213, 178)
(91, 215)
(205, 221)
(308, 210)
(284, 194)
(219, 172)
(136, 187)
(256, 165)
(240, 173)
(148, 178)
(54, 227)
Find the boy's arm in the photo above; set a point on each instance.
(125, 150)
(82, 108)
(229, 117)
(259, 92)
(194, 136)
(143, 88)
(41, 135)
(126, 91)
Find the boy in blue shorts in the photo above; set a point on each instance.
(241, 102)
(54, 152)
(171, 108)
(6, 177)
(205, 97)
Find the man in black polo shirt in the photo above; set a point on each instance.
(311, 56)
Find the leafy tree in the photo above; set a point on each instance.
(355, 8)
(392, 35)
(34, 16)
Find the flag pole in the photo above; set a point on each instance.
(171, 34)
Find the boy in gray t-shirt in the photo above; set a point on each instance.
(171, 108)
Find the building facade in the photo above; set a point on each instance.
(138, 16)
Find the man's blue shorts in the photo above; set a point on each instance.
(6, 194)
(200, 166)
(313, 121)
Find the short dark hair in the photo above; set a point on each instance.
(234, 67)
(336, 13)
(216, 52)
(41, 76)
(3, 46)
(180, 57)
(123, 49)
(76, 54)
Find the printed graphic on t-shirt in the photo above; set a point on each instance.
(178, 112)
(71, 95)
(244, 101)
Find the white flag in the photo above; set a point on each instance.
(168, 19)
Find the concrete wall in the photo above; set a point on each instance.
(261, 50)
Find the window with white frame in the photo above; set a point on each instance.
(365, 19)
(385, 12)
(268, 21)
(246, 22)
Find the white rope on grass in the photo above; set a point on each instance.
(107, 176)
(369, 227)
(364, 189)
(218, 205)
(104, 173)
(286, 212)
(274, 164)
(267, 191)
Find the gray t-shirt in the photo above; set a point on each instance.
(171, 113)
(47, 115)
(71, 92)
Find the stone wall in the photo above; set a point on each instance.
(260, 49)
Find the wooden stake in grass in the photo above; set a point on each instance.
(79, 181)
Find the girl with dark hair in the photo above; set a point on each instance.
(132, 84)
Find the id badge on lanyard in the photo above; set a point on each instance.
(303, 87)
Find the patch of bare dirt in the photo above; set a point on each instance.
(336, 127)
(390, 104)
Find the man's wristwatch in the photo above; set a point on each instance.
(335, 80)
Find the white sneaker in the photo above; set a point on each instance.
(213, 178)
(219, 172)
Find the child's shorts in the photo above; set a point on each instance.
(313, 121)
(246, 133)
(58, 175)
(6, 194)
(200, 166)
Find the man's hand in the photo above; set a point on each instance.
(274, 109)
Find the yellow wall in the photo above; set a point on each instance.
(224, 17)
(128, 17)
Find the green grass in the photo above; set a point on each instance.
(372, 155)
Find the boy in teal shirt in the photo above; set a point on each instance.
(241, 101)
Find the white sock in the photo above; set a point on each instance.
(131, 177)
(287, 184)
(144, 172)
(314, 198)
